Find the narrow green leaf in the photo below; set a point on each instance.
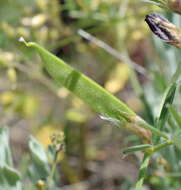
(151, 1)
(176, 115)
(160, 3)
(5, 152)
(133, 149)
(166, 101)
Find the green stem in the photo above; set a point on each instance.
(162, 145)
(142, 171)
(53, 167)
(136, 148)
(153, 129)
(145, 162)
(52, 172)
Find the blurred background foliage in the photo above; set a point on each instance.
(32, 104)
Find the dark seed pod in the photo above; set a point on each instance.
(164, 29)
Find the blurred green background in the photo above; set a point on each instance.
(32, 104)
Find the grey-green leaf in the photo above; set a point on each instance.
(9, 179)
(5, 152)
(40, 168)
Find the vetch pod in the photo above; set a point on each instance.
(91, 93)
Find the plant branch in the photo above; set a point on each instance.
(112, 51)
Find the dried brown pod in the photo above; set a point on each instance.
(164, 29)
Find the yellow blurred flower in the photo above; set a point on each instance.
(118, 78)
(30, 106)
(7, 98)
(76, 116)
(11, 74)
(45, 132)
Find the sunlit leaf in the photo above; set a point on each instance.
(118, 78)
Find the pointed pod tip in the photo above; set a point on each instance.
(21, 39)
(28, 44)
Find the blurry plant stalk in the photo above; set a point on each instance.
(164, 29)
(172, 5)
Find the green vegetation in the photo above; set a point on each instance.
(96, 66)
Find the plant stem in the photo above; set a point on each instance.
(142, 171)
(145, 162)
(115, 53)
(162, 145)
(52, 172)
(153, 129)
(53, 166)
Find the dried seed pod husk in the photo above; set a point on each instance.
(135, 126)
(164, 29)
